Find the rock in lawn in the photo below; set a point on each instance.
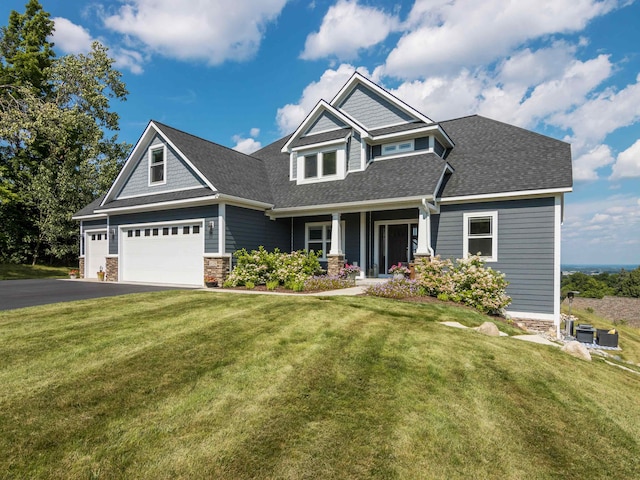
(577, 350)
(489, 328)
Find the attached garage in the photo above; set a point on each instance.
(162, 253)
(96, 247)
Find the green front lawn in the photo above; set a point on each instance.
(10, 271)
(229, 386)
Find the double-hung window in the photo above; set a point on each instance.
(157, 165)
(480, 233)
(321, 164)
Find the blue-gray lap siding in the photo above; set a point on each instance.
(178, 174)
(525, 247)
(208, 213)
(246, 228)
(354, 153)
(371, 110)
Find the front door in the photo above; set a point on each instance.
(396, 244)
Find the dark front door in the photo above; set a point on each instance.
(397, 244)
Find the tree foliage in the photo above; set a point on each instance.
(58, 149)
(622, 284)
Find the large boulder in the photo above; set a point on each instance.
(489, 328)
(577, 350)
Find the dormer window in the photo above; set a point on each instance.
(157, 165)
(321, 164)
(398, 147)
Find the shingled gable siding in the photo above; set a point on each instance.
(246, 228)
(371, 110)
(325, 123)
(209, 213)
(355, 153)
(525, 247)
(178, 174)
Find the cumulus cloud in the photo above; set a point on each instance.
(586, 166)
(291, 115)
(209, 30)
(347, 28)
(247, 145)
(471, 33)
(628, 163)
(71, 38)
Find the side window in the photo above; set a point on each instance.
(480, 232)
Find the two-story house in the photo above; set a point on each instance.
(365, 178)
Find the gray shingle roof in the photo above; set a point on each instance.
(416, 175)
(494, 157)
(158, 198)
(321, 137)
(398, 128)
(88, 210)
(231, 172)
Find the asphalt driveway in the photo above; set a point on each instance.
(27, 293)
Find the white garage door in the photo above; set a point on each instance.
(96, 248)
(163, 253)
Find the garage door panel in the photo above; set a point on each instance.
(163, 254)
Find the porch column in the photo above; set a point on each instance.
(424, 233)
(336, 255)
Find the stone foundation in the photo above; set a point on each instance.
(81, 267)
(336, 262)
(218, 267)
(112, 269)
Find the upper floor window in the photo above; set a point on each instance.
(398, 147)
(321, 164)
(157, 165)
(480, 234)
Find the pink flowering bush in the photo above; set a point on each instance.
(466, 281)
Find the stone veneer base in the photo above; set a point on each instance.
(217, 267)
(81, 267)
(335, 263)
(112, 269)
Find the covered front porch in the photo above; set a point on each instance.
(374, 240)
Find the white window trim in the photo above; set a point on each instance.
(326, 239)
(494, 234)
(164, 164)
(396, 146)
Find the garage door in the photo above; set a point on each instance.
(96, 248)
(163, 253)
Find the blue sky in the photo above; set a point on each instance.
(243, 73)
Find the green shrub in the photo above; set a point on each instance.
(249, 285)
(272, 284)
(260, 266)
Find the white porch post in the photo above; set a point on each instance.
(336, 235)
(424, 232)
(222, 229)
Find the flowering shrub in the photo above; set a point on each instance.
(399, 269)
(260, 266)
(467, 281)
(326, 282)
(73, 271)
(348, 270)
(396, 288)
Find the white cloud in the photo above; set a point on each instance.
(254, 132)
(346, 28)
(586, 166)
(209, 30)
(71, 38)
(628, 163)
(246, 145)
(444, 36)
(291, 115)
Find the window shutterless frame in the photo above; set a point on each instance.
(157, 165)
(480, 235)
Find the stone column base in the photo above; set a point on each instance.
(218, 267)
(81, 267)
(336, 262)
(112, 269)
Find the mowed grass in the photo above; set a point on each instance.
(10, 271)
(228, 386)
